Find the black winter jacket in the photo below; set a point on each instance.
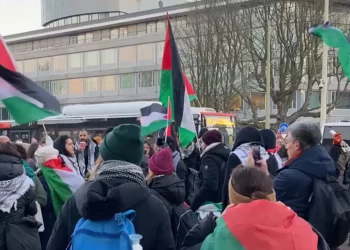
(211, 174)
(18, 229)
(181, 171)
(170, 190)
(102, 199)
(193, 160)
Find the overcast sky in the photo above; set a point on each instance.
(18, 16)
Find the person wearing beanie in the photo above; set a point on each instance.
(202, 132)
(240, 153)
(269, 138)
(119, 186)
(255, 220)
(162, 181)
(212, 169)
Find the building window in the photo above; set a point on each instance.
(160, 52)
(30, 66)
(75, 61)
(94, 17)
(127, 57)
(314, 100)
(109, 58)
(91, 59)
(5, 115)
(76, 86)
(73, 40)
(127, 81)
(60, 63)
(46, 86)
(112, 14)
(68, 21)
(146, 79)
(146, 54)
(109, 83)
(61, 22)
(59, 87)
(151, 27)
(114, 33)
(81, 39)
(102, 15)
(75, 19)
(44, 64)
(92, 84)
(343, 101)
(19, 65)
(89, 37)
(84, 18)
(123, 31)
(258, 99)
(160, 25)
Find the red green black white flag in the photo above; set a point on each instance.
(154, 118)
(190, 90)
(172, 84)
(24, 99)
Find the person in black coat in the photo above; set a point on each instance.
(192, 156)
(163, 183)
(119, 186)
(308, 160)
(269, 138)
(18, 228)
(239, 155)
(212, 171)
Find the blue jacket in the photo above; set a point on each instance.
(294, 183)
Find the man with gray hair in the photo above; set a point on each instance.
(307, 161)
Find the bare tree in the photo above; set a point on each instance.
(224, 50)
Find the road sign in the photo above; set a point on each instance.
(283, 127)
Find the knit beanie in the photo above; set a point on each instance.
(123, 143)
(162, 162)
(211, 137)
(202, 132)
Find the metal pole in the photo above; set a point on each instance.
(268, 76)
(324, 90)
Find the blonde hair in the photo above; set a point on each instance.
(98, 164)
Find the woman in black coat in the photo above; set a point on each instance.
(18, 228)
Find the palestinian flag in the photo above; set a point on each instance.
(190, 90)
(154, 118)
(172, 84)
(62, 182)
(24, 99)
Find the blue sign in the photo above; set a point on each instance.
(283, 127)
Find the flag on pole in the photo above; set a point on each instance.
(154, 118)
(190, 90)
(170, 117)
(172, 85)
(24, 99)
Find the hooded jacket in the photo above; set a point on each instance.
(211, 174)
(170, 190)
(269, 138)
(294, 182)
(101, 199)
(240, 150)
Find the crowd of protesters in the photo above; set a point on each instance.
(206, 196)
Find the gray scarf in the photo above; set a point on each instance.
(81, 157)
(176, 158)
(123, 170)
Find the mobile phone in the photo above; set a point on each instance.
(256, 153)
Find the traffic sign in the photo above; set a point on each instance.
(283, 127)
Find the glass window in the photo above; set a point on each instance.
(44, 64)
(146, 79)
(127, 81)
(114, 33)
(73, 40)
(91, 59)
(84, 18)
(160, 25)
(94, 17)
(76, 86)
(114, 14)
(146, 54)
(61, 22)
(81, 38)
(151, 27)
(19, 65)
(59, 87)
(92, 84)
(258, 100)
(46, 86)
(127, 57)
(160, 52)
(109, 83)
(75, 19)
(102, 15)
(30, 66)
(59, 63)
(315, 100)
(343, 101)
(5, 115)
(75, 60)
(89, 37)
(141, 28)
(123, 31)
(108, 56)
(68, 21)
(55, 23)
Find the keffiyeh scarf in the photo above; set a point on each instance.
(243, 150)
(12, 190)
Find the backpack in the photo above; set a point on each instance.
(113, 233)
(330, 210)
(183, 220)
(192, 186)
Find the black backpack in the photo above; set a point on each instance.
(183, 220)
(330, 210)
(192, 185)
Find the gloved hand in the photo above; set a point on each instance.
(337, 139)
